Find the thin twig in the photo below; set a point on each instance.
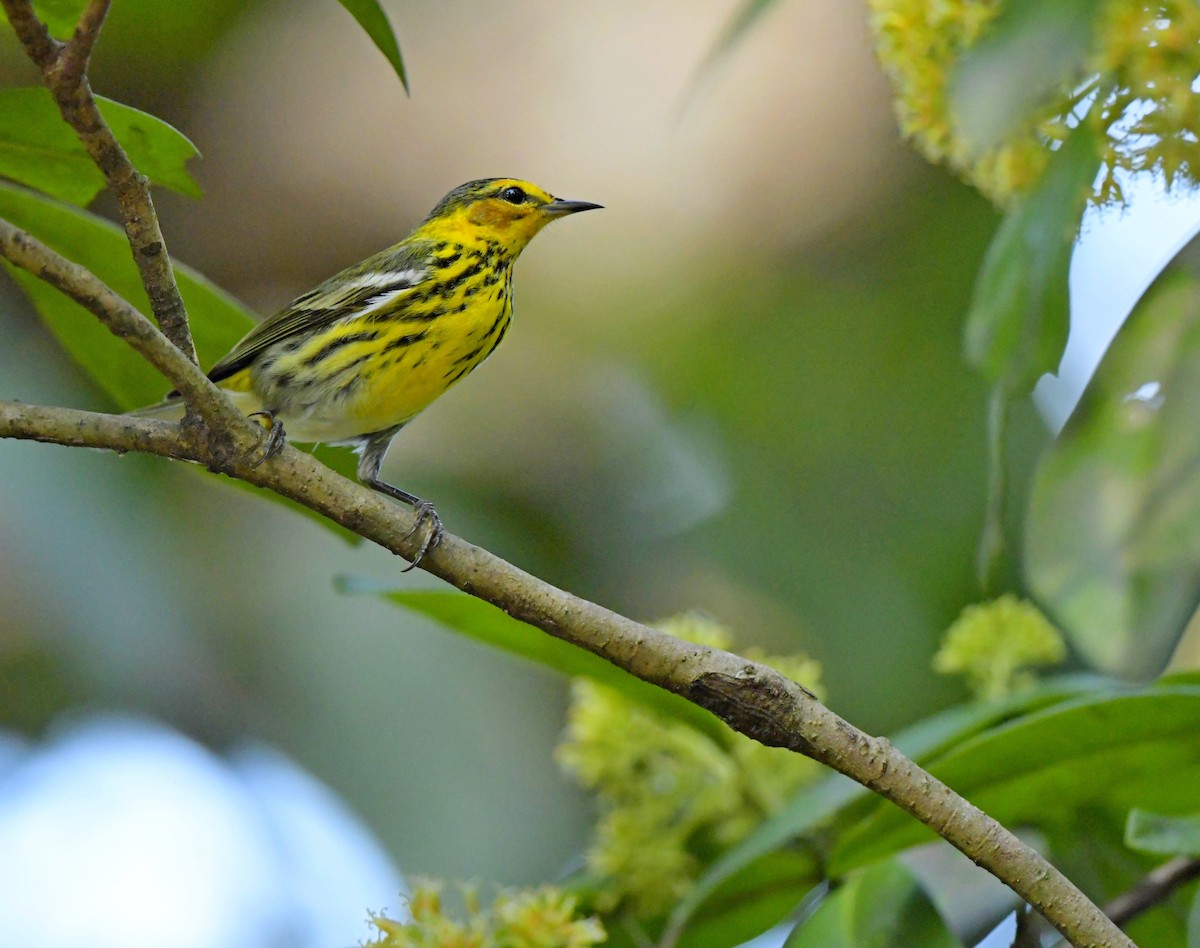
(77, 54)
(1153, 888)
(121, 318)
(39, 45)
(64, 73)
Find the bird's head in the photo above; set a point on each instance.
(506, 211)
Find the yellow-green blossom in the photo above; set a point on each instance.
(671, 797)
(519, 918)
(1136, 88)
(993, 644)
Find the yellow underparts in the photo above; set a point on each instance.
(377, 369)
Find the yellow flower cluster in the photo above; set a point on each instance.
(1136, 91)
(672, 798)
(519, 918)
(993, 644)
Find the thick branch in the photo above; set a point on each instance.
(750, 697)
(64, 72)
(86, 429)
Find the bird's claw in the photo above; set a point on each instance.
(428, 517)
(273, 439)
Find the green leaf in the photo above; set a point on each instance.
(485, 623)
(1193, 923)
(882, 907)
(812, 810)
(158, 150)
(838, 802)
(39, 150)
(1089, 849)
(1113, 540)
(990, 554)
(1124, 750)
(218, 320)
(1032, 50)
(743, 19)
(60, 16)
(750, 12)
(1169, 835)
(753, 901)
(1017, 325)
(370, 17)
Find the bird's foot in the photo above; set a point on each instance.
(272, 440)
(427, 517)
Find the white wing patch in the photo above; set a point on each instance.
(378, 302)
(341, 293)
(395, 278)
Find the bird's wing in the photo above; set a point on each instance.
(393, 271)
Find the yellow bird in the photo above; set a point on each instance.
(355, 359)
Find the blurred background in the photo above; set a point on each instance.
(738, 389)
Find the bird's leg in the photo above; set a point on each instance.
(370, 459)
(426, 516)
(273, 439)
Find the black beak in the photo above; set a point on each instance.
(560, 208)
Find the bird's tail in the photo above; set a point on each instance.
(169, 409)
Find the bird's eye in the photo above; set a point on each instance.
(513, 195)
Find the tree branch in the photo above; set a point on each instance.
(750, 697)
(77, 55)
(64, 71)
(126, 322)
(1155, 887)
(39, 45)
(87, 429)
(121, 317)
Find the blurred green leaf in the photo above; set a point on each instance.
(485, 623)
(812, 810)
(39, 150)
(1017, 325)
(374, 21)
(218, 320)
(990, 554)
(60, 16)
(1193, 923)
(164, 46)
(1031, 50)
(838, 802)
(1124, 750)
(1113, 540)
(750, 12)
(1156, 833)
(1088, 847)
(883, 906)
(753, 901)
